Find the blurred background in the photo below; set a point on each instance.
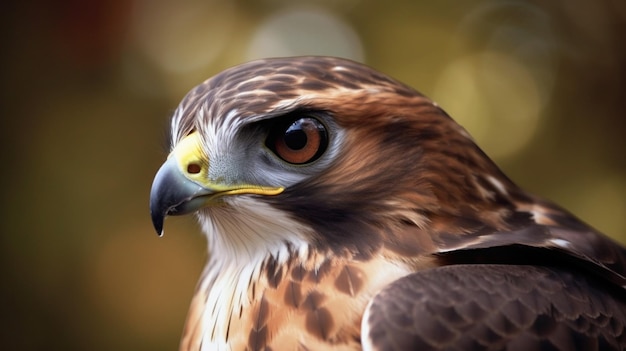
(87, 88)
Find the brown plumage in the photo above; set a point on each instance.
(344, 210)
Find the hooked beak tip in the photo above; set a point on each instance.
(157, 222)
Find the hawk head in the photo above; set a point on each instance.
(329, 153)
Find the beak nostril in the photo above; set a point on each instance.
(193, 168)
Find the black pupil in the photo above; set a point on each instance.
(295, 136)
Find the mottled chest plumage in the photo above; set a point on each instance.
(313, 304)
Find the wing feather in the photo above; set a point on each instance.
(564, 241)
(494, 307)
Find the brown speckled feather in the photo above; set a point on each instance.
(402, 200)
(497, 307)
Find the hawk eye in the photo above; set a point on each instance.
(300, 141)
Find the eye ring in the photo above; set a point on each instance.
(299, 141)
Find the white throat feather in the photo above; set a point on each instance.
(242, 235)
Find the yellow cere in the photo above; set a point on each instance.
(191, 160)
(194, 164)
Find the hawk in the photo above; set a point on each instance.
(345, 211)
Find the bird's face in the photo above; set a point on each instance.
(321, 145)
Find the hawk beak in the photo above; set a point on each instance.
(182, 185)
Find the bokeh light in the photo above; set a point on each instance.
(184, 35)
(298, 30)
(501, 126)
